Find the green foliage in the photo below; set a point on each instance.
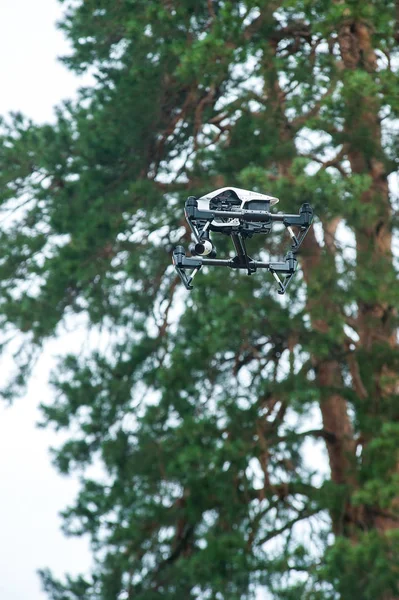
(368, 569)
(204, 409)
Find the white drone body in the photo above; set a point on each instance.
(244, 199)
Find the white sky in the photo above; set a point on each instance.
(32, 80)
(32, 493)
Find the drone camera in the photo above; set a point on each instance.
(203, 248)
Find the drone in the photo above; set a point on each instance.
(240, 214)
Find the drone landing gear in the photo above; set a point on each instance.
(286, 268)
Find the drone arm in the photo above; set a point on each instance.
(303, 220)
(193, 213)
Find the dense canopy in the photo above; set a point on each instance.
(247, 443)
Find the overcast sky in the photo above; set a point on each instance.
(32, 494)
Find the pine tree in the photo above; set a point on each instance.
(207, 409)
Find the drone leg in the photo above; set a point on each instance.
(303, 221)
(198, 224)
(180, 262)
(194, 229)
(282, 285)
(240, 248)
(286, 268)
(295, 242)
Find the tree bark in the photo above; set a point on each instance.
(373, 236)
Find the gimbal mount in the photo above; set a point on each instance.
(240, 214)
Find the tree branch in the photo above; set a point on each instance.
(328, 436)
(304, 514)
(301, 120)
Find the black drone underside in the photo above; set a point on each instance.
(239, 214)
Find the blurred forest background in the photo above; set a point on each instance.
(208, 412)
